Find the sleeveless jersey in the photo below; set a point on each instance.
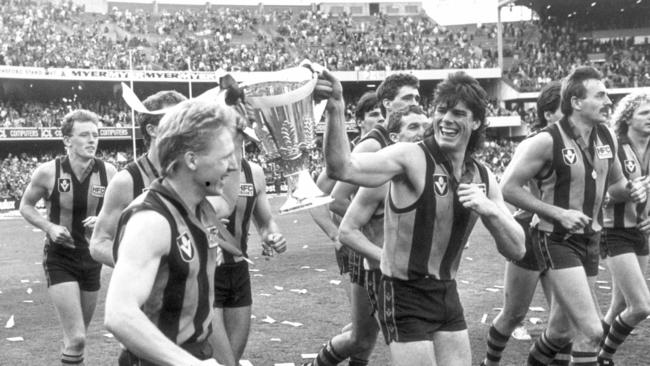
(142, 172)
(427, 238)
(374, 231)
(579, 174)
(71, 201)
(180, 302)
(379, 133)
(626, 214)
(240, 219)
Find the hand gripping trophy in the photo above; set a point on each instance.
(285, 122)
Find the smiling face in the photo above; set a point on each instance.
(83, 140)
(596, 105)
(213, 165)
(640, 122)
(453, 126)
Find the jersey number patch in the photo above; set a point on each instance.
(64, 185)
(440, 184)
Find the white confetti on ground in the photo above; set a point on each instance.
(245, 363)
(15, 339)
(28, 301)
(269, 320)
(253, 270)
(299, 291)
(24, 281)
(305, 267)
(305, 246)
(602, 282)
(492, 289)
(293, 324)
(484, 318)
(29, 290)
(469, 258)
(276, 340)
(464, 282)
(536, 308)
(279, 288)
(109, 335)
(258, 275)
(320, 270)
(10, 323)
(521, 334)
(308, 355)
(335, 282)
(604, 287)
(265, 294)
(535, 321)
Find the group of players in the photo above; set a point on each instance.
(175, 223)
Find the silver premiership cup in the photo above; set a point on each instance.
(285, 123)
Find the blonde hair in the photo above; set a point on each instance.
(190, 126)
(625, 109)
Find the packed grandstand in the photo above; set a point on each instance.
(45, 44)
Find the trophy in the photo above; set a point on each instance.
(285, 118)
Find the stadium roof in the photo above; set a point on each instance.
(598, 9)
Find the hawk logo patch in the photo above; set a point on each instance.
(440, 184)
(630, 166)
(98, 191)
(64, 185)
(570, 156)
(185, 248)
(604, 152)
(246, 190)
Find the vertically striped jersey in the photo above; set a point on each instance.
(579, 175)
(626, 214)
(240, 219)
(181, 298)
(142, 172)
(71, 201)
(427, 238)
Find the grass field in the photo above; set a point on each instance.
(308, 264)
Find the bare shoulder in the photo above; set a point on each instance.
(150, 225)
(367, 145)
(111, 170)
(44, 174)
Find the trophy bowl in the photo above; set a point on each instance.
(285, 123)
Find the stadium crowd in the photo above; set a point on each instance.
(49, 114)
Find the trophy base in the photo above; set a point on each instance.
(303, 193)
(294, 205)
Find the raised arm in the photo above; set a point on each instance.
(532, 156)
(118, 196)
(37, 189)
(507, 233)
(363, 206)
(145, 242)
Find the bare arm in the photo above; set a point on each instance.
(124, 318)
(118, 196)
(507, 233)
(530, 157)
(262, 214)
(343, 192)
(37, 189)
(321, 214)
(363, 206)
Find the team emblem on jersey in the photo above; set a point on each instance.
(604, 152)
(440, 184)
(246, 190)
(570, 156)
(630, 166)
(98, 191)
(185, 248)
(64, 185)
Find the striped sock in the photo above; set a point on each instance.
(583, 358)
(327, 356)
(616, 335)
(563, 357)
(355, 361)
(542, 352)
(67, 359)
(496, 343)
(605, 331)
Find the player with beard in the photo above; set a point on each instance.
(133, 180)
(573, 164)
(73, 188)
(404, 125)
(437, 192)
(624, 244)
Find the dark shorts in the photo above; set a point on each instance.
(63, 264)
(343, 259)
(559, 251)
(355, 266)
(200, 350)
(415, 310)
(621, 241)
(232, 286)
(373, 279)
(529, 261)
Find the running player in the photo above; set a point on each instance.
(572, 162)
(437, 192)
(624, 244)
(73, 188)
(169, 238)
(133, 180)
